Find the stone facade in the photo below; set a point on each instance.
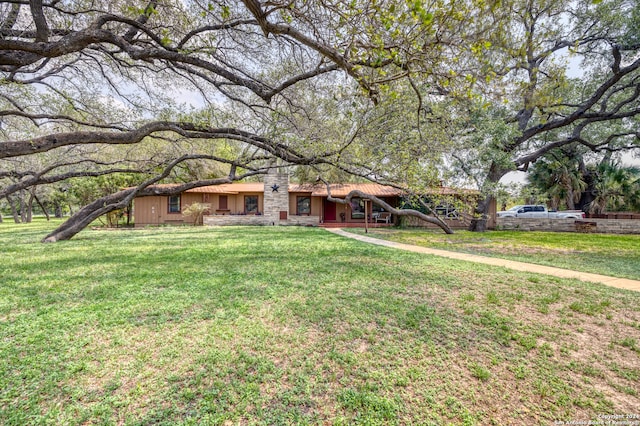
(276, 198)
(605, 226)
(276, 208)
(302, 221)
(262, 220)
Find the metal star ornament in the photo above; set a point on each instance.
(275, 187)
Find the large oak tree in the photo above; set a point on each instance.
(561, 73)
(91, 87)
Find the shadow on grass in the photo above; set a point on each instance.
(278, 326)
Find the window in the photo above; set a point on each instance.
(174, 204)
(251, 204)
(357, 208)
(303, 206)
(222, 202)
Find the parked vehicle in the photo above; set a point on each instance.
(540, 211)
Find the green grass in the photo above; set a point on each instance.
(606, 254)
(297, 326)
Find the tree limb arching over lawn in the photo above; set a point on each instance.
(135, 86)
(112, 86)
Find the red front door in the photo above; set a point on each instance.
(329, 210)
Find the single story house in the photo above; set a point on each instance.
(272, 202)
(278, 202)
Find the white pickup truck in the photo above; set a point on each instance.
(540, 211)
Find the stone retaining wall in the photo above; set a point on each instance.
(302, 221)
(605, 226)
(244, 220)
(414, 222)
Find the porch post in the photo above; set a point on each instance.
(366, 217)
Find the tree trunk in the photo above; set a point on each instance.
(30, 208)
(72, 226)
(481, 211)
(83, 217)
(14, 212)
(587, 198)
(1, 220)
(21, 208)
(589, 194)
(570, 199)
(46, 214)
(479, 223)
(128, 210)
(57, 210)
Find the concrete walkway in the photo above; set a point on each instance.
(511, 264)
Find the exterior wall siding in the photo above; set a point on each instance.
(605, 226)
(316, 204)
(154, 210)
(146, 211)
(235, 203)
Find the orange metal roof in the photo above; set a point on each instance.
(341, 190)
(230, 188)
(320, 190)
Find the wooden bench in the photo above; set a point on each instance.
(582, 226)
(383, 217)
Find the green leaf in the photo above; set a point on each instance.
(226, 12)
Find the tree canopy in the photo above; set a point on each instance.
(94, 88)
(387, 90)
(538, 105)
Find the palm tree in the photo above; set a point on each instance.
(617, 188)
(559, 177)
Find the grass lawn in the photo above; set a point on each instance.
(260, 325)
(606, 254)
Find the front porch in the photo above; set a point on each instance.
(354, 225)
